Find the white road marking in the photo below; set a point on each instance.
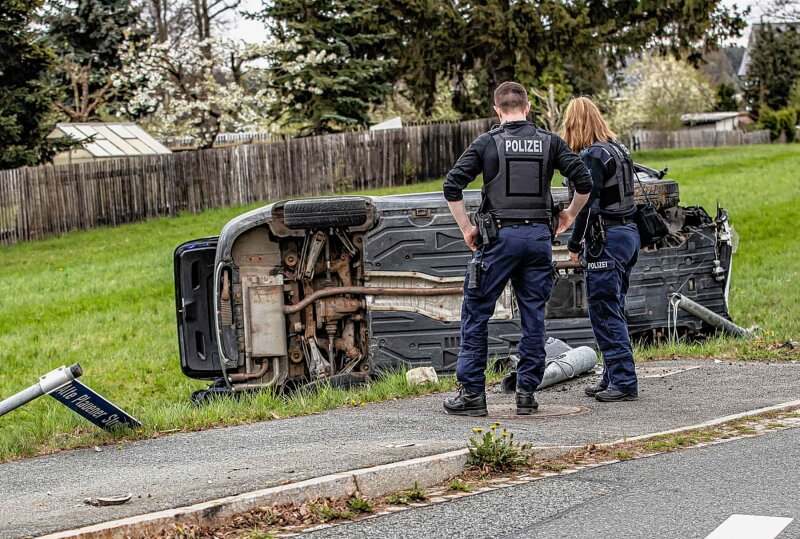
(750, 527)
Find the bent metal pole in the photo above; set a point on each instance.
(709, 316)
(47, 383)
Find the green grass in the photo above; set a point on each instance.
(759, 187)
(104, 298)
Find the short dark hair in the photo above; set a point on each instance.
(510, 96)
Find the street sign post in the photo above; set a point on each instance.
(62, 385)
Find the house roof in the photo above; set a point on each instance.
(708, 117)
(111, 139)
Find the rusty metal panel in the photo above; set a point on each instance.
(265, 316)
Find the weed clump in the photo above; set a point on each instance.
(457, 485)
(416, 494)
(360, 505)
(496, 452)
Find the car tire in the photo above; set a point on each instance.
(334, 212)
(662, 194)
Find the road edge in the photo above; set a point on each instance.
(372, 482)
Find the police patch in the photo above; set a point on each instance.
(525, 145)
(600, 265)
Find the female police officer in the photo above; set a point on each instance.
(606, 227)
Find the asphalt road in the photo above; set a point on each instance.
(45, 494)
(684, 494)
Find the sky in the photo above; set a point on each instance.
(254, 31)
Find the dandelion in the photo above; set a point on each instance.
(477, 430)
(504, 434)
(496, 423)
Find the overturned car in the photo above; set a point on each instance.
(336, 288)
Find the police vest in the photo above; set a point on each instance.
(521, 189)
(617, 192)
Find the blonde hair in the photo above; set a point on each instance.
(583, 124)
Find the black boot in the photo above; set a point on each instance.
(466, 403)
(526, 403)
(612, 395)
(593, 389)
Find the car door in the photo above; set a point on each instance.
(194, 304)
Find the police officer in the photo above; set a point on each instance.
(517, 160)
(611, 244)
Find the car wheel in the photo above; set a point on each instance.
(335, 212)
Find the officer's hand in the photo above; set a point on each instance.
(471, 237)
(565, 220)
(575, 257)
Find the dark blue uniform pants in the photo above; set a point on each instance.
(523, 254)
(607, 278)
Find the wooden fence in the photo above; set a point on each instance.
(656, 140)
(43, 201)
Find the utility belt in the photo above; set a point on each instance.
(596, 236)
(608, 222)
(489, 226)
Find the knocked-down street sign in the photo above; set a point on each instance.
(88, 403)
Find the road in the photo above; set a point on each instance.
(46, 494)
(684, 494)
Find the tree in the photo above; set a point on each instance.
(566, 43)
(716, 65)
(208, 12)
(169, 21)
(25, 96)
(327, 66)
(784, 10)
(196, 88)
(658, 92)
(86, 36)
(774, 67)
(726, 99)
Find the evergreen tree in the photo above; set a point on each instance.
(726, 98)
(328, 64)
(25, 96)
(344, 50)
(569, 44)
(86, 36)
(774, 67)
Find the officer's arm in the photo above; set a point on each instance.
(598, 172)
(466, 169)
(571, 166)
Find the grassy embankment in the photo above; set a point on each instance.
(104, 298)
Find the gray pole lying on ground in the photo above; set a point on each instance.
(47, 383)
(710, 316)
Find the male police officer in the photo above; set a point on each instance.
(517, 160)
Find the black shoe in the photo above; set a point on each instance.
(466, 403)
(593, 390)
(526, 403)
(612, 395)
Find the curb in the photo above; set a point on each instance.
(710, 423)
(371, 482)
